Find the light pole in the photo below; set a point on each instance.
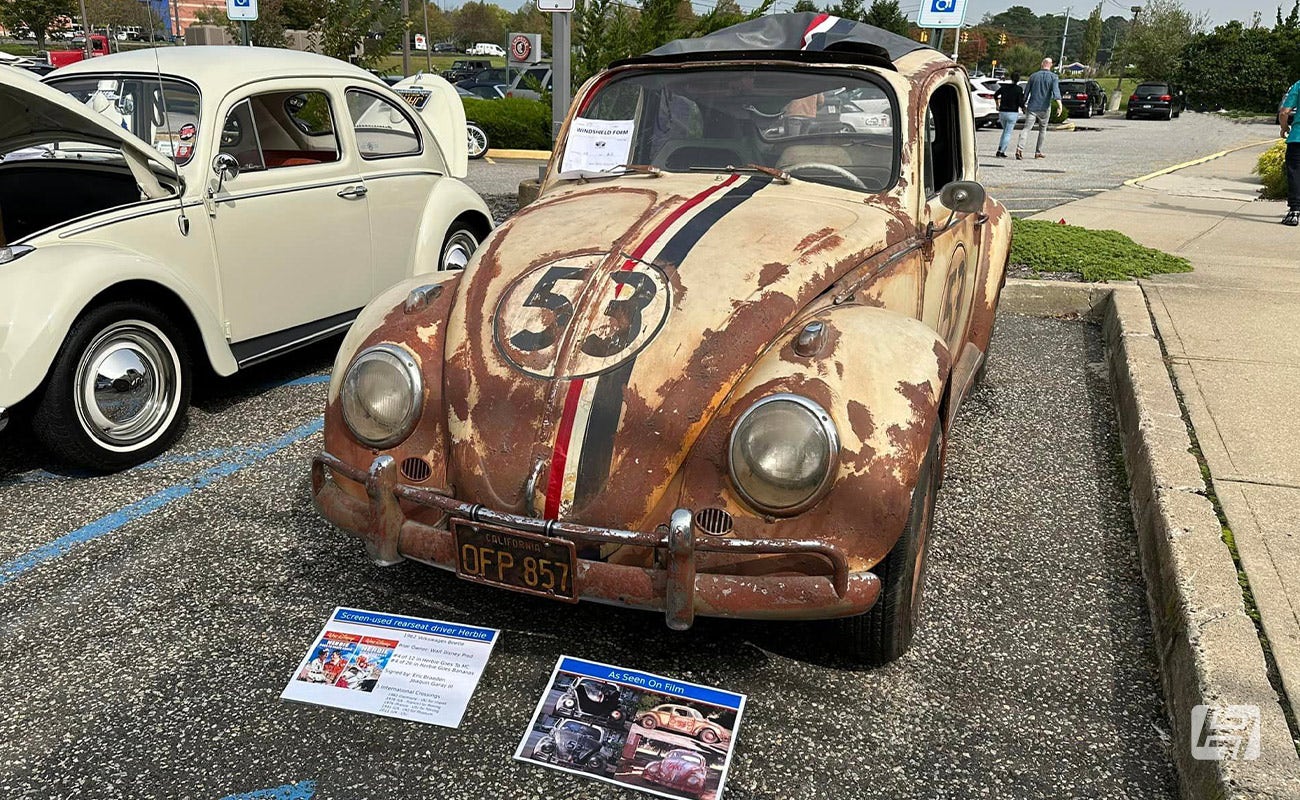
(1065, 32)
(1123, 64)
(428, 40)
(406, 38)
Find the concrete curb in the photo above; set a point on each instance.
(507, 154)
(1208, 649)
(1139, 181)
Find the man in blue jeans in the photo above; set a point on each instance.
(1292, 133)
(1040, 90)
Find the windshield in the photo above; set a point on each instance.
(820, 125)
(163, 113)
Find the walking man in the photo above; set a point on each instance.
(1286, 118)
(1010, 98)
(1040, 90)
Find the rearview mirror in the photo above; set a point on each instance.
(226, 166)
(964, 196)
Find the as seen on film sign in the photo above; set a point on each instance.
(394, 666)
(635, 729)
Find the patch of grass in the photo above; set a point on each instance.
(1043, 246)
(512, 122)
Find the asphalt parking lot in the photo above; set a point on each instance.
(1100, 154)
(150, 620)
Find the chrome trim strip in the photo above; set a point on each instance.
(266, 192)
(405, 174)
(251, 360)
(170, 205)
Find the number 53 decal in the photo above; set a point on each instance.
(601, 318)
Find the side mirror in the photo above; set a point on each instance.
(964, 196)
(227, 166)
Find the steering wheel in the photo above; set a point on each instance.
(795, 169)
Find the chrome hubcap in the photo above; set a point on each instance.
(127, 385)
(459, 248)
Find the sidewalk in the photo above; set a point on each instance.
(1231, 330)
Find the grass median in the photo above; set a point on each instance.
(1041, 246)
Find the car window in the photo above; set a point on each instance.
(1152, 88)
(164, 113)
(278, 130)
(1073, 86)
(943, 146)
(382, 129)
(820, 125)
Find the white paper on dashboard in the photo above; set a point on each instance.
(597, 144)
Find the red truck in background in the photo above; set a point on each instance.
(62, 58)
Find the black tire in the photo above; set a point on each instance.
(885, 632)
(708, 736)
(82, 422)
(1087, 111)
(461, 242)
(478, 140)
(648, 722)
(1128, 115)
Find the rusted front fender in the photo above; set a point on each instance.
(881, 376)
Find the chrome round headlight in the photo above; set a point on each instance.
(783, 454)
(381, 395)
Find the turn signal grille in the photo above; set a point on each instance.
(416, 470)
(713, 521)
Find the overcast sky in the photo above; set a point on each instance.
(1219, 11)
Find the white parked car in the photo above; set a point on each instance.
(204, 209)
(486, 49)
(983, 107)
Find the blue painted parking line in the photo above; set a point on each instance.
(303, 790)
(307, 380)
(240, 458)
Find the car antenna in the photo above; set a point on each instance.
(182, 222)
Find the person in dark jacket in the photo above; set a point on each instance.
(1009, 97)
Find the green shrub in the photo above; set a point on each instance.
(1270, 172)
(1044, 246)
(512, 122)
(1059, 113)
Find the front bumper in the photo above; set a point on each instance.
(676, 588)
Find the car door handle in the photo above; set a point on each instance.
(353, 191)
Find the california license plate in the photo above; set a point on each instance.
(523, 562)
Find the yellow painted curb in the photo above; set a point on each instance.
(538, 155)
(1138, 181)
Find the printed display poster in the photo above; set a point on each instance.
(642, 731)
(405, 667)
(597, 145)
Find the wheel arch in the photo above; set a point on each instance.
(50, 288)
(449, 202)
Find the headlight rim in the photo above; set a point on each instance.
(407, 360)
(827, 425)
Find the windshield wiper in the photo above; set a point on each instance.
(584, 175)
(779, 175)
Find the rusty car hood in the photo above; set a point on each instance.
(604, 324)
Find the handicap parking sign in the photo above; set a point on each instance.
(241, 10)
(941, 14)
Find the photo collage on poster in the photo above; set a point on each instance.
(348, 661)
(635, 729)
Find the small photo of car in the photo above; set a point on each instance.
(684, 720)
(685, 770)
(588, 699)
(574, 744)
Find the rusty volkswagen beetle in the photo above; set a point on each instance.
(712, 368)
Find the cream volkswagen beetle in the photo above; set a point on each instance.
(168, 211)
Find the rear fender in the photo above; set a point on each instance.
(449, 200)
(881, 377)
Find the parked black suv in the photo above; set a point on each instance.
(1083, 98)
(463, 68)
(1158, 100)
